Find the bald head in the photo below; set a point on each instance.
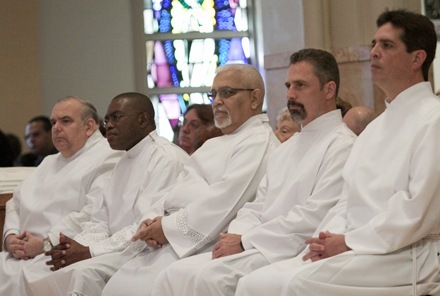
(248, 76)
(358, 117)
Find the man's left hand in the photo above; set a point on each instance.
(67, 252)
(326, 245)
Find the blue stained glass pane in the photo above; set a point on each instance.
(169, 51)
(223, 50)
(182, 103)
(165, 21)
(175, 76)
(166, 4)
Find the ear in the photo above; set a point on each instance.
(256, 98)
(330, 90)
(419, 57)
(90, 127)
(143, 119)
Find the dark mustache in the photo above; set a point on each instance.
(292, 103)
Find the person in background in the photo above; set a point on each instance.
(197, 127)
(6, 153)
(60, 193)
(358, 117)
(15, 144)
(286, 127)
(38, 137)
(344, 106)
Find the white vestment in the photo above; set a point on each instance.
(303, 181)
(219, 179)
(57, 197)
(150, 166)
(392, 193)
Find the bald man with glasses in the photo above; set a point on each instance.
(219, 178)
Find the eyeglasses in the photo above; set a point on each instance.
(115, 117)
(226, 92)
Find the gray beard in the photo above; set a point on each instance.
(224, 124)
(298, 115)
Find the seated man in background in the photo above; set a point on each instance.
(151, 164)
(197, 127)
(60, 193)
(219, 179)
(38, 137)
(388, 244)
(286, 127)
(6, 153)
(358, 117)
(303, 181)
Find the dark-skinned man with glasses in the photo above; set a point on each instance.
(150, 164)
(217, 180)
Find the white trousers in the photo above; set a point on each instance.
(350, 274)
(87, 277)
(200, 275)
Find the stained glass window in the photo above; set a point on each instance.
(186, 40)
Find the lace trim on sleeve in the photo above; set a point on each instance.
(74, 220)
(196, 237)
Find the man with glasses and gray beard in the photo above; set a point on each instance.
(302, 182)
(218, 179)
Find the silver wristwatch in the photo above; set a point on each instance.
(47, 245)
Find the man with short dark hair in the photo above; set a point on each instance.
(383, 238)
(38, 137)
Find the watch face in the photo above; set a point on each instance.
(46, 246)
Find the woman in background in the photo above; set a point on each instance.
(197, 127)
(286, 127)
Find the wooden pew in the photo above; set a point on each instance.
(4, 197)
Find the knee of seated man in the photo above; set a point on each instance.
(215, 272)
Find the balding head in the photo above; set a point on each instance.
(237, 93)
(358, 117)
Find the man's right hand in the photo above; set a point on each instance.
(15, 245)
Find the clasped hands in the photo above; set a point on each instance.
(24, 246)
(326, 245)
(67, 252)
(151, 232)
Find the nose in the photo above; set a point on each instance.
(217, 101)
(56, 127)
(109, 125)
(185, 128)
(374, 51)
(290, 94)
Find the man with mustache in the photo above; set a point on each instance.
(383, 237)
(303, 181)
(151, 164)
(59, 194)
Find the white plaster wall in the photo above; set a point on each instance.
(279, 33)
(86, 50)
